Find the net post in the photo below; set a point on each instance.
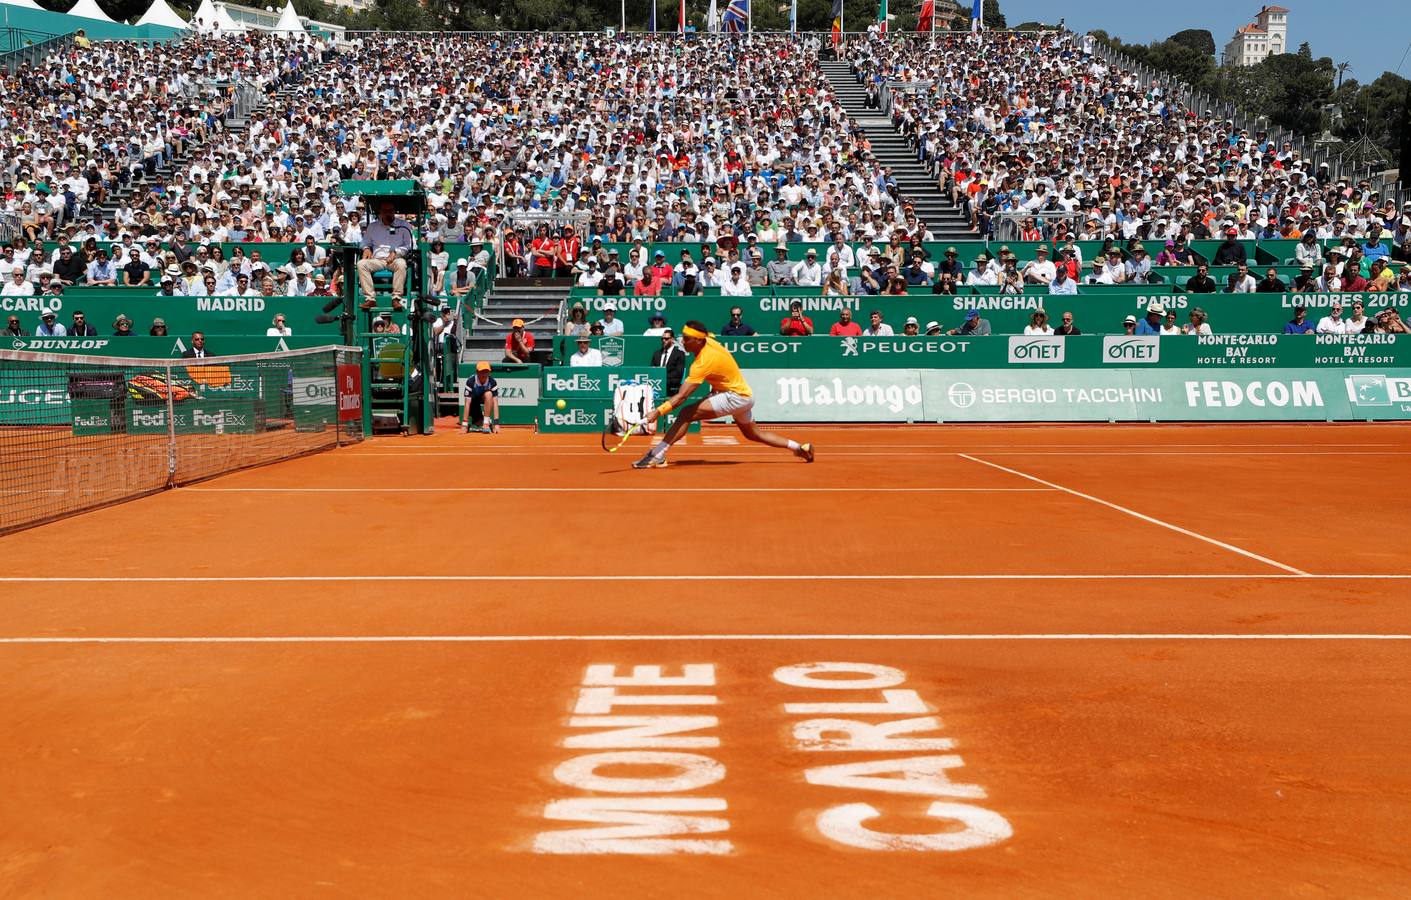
(171, 428)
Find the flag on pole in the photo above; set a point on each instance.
(737, 16)
(977, 16)
(712, 19)
(793, 16)
(882, 17)
(837, 22)
(927, 20)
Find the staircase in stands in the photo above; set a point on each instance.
(890, 148)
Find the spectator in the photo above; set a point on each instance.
(796, 324)
(1062, 285)
(136, 273)
(736, 285)
(1357, 322)
(577, 322)
(587, 354)
(755, 273)
(1167, 257)
(781, 271)
(1066, 328)
(1200, 282)
(197, 350)
(845, 326)
(122, 326)
(933, 329)
(974, 325)
(519, 344)
(611, 324)
(1271, 283)
(1040, 270)
(1306, 280)
(911, 327)
(481, 400)
(737, 327)
(69, 268)
(13, 327)
(1308, 253)
(158, 328)
(1151, 324)
(101, 272)
(1333, 322)
(1169, 327)
(301, 285)
(808, 273)
(672, 358)
(1231, 252)
(1299, 324)
(647, 285)
(279, 327)
(1240, 281)
(385, 245)
(835, 285)
(1198, 325)
(81, 327)
(17, 286)
(1038, 323)
(1388, 321)
(49, 325)
(1129, 325)
(656, 326)
(590, 276)
(877, 328)
(1138, 268)
(321, 288)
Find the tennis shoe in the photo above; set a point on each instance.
(806, 452)
(650, 461)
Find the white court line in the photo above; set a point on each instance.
(639, 638)
(902, 453)
(623, 489)
(671, 576)
(1145, 518)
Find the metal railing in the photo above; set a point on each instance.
(1007, 228)
(20, 47)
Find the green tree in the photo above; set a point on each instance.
(991, 15)
(1197, 39)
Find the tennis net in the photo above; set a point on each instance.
(78, 432)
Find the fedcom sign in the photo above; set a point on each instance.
(1041, 350)
(1128, 350)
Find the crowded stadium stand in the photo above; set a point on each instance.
(878, 190)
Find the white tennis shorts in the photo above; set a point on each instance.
(728, 403)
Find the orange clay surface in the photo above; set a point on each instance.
(275, 711)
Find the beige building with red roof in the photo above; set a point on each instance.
(1264, 37)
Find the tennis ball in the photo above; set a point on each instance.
(561, 405)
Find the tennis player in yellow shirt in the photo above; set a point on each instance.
(729, 396)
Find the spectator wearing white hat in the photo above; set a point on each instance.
(807, 272)
(611, 324)
(49, 325)
(301, 285)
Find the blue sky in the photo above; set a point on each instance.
(1371, 34)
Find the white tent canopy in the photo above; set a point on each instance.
(89, 9)
(225, 24)
(22, 4)
(289, 23)
(159, 13)
(205, 17)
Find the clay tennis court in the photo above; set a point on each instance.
(1146, 660)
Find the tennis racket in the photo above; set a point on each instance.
(612, 442)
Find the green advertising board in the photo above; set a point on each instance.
(145, 347)
(182, 315)
(571, 382)
(1078, 395)
(1093, 313)
(1005, 351)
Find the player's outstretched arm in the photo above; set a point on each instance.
(674, 401)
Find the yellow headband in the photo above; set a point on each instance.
(688, 331)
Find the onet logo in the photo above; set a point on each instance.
(1121, 349)
(1046, 350)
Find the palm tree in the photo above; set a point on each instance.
(1341, 69)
